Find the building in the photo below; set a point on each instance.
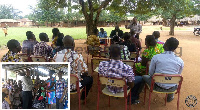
(25, 22)
(9, 23)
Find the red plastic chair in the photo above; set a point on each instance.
(118, 82)
(164, 78)
(74, 80)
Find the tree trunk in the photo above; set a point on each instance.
(90, 26)
(172, 24)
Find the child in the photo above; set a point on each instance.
(5, 104)
(16, 98)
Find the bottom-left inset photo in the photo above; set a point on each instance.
(34, 86)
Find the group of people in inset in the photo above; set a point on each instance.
(35, 94)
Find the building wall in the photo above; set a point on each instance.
(10, 24)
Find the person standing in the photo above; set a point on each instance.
(134, 26)
(5, 30)
(61, 88)
(27, 86)
(50, 88)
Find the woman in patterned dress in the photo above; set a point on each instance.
(50, 88)
(152, 48)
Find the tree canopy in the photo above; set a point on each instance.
(8, 12)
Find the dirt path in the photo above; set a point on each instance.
(188, 50)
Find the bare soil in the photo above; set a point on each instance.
(189, 46)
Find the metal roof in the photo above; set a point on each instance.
(8, 20)
(20, 68)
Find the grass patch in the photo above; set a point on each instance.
(19, 33)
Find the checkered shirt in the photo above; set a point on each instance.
(60, 85)
(116, 69)
(42, 49)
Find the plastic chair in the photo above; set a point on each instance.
(134, 55)
(74, 80)
(164, 78)
(118, 82)
(38, 58)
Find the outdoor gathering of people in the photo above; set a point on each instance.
(160, 56)
(30, 93)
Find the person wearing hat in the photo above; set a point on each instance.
(11, 56)
(27, 86)
(50, 88)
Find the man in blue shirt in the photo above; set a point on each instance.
(102, 34)
(166, 63)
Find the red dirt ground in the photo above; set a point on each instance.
(190, 45)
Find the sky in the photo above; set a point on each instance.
(21, 5)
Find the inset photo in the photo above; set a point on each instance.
(35, 85)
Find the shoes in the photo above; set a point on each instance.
(170, 97)
(135, 102)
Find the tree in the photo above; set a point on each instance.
(169, 9)
(46, 15)
(91, 9)
(8, 12)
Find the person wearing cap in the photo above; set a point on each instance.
(50, 88)
(14, 48)
(27, 86)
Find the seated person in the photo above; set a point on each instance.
(59, 43)
(117, 69)
(135, 41)
(152, 49)
(16, 98)
(55, 32)
(166, 63)
(14, 48)
(116, 32)
(125, 54)
(41, 48)
(27, 45)
(5, 104)
(156, 34)
(128, 43)
(78, 65)
(102, 34)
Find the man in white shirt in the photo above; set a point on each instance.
(166, 63)
(27, 86)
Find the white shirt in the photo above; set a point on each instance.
(27, 83)
(135, 27)
(167, 63)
